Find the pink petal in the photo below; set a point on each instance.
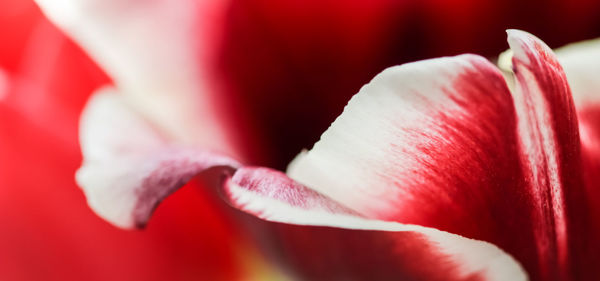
(128, 167)
(156, 52)
(327, 241)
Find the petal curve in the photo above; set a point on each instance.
(440, 143)
(355, 248)
(128, 165)
(549, 139)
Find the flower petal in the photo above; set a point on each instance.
(128, 167)
(549, 139)
(154, 51)
(440, 143)
(355, 248)
(581, 62)
(431, 143)
(411, 132)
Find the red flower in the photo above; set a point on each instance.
(425, 157)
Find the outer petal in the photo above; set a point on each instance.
(353, 248)
(436, 143)
(47, 230)
(549, 139)
(409, 134)
(431, 143)
(156, 52)
(128, 168)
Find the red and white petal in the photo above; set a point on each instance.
(350, 247)
(431, 143)
(440, 143)
(549, 139)
(128, 167)
(415, 134)
(156, 53)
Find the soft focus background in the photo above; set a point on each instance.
(290, 67)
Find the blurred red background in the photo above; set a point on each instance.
(290, 65)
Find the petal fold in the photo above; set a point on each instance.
(354, 248)
(420, 133)
(432, 143)
(128, 166)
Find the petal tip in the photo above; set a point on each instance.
(526, 46)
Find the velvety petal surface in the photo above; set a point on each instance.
(441, 143)
(125, 160)
(432, 143)
(128, 166)
(351, 247)
(549, 139)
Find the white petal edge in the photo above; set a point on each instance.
(128, 167)
(473, 256)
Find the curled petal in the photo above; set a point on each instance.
(128, 167)
(442, 144)
(354, 248)
(549, 140)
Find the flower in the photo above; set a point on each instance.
(48, 232)
(109, 157)
(426, 157)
